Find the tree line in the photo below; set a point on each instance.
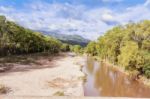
(15, 39)
(126, 46)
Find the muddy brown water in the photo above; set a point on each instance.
(105, 81)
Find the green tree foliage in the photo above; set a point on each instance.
(91, 48)
(65, 47)
(127, 46)
(130, 56)
(77, 49)
(15, 39)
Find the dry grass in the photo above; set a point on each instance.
(60, 83)
(83, 78)
(59, 93)
(38, 60)
(24, 59)
(3, 89)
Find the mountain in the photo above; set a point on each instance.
(70, 39)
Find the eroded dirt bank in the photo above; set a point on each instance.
(51, 77)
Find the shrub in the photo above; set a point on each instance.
(3, 89)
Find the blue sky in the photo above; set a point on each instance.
(89, 3)
(88, 18)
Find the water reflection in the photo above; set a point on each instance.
(90, 65)
(105, 81)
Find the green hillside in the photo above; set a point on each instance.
(15, 39)
(70, 39)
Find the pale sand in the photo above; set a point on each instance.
(64, 78)
(64, 97)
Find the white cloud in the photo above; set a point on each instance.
(108, 17)
(5, 9)
(147, 3)
(74, 19)
(135, 14)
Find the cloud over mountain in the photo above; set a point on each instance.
(74, 18)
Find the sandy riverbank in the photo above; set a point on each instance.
(61, 76)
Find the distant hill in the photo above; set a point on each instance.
(70, 39)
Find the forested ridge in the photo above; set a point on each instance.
(125, 46)
(15, 39)
(69, 39)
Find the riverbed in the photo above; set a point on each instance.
(102, 80)
(44, 76)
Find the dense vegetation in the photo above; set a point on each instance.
(65, 47)
(15, 39)
(78, 49)
(126, 46)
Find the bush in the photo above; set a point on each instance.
(3, 89)
(59, 93)
(65, 47)
(77, 49)
(146, 70)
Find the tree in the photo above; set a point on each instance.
(65, 47)
(127, 46)
(91, 48)
(77, 49)
(15, 39)
(131, 59)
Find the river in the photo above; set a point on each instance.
(105, 81)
